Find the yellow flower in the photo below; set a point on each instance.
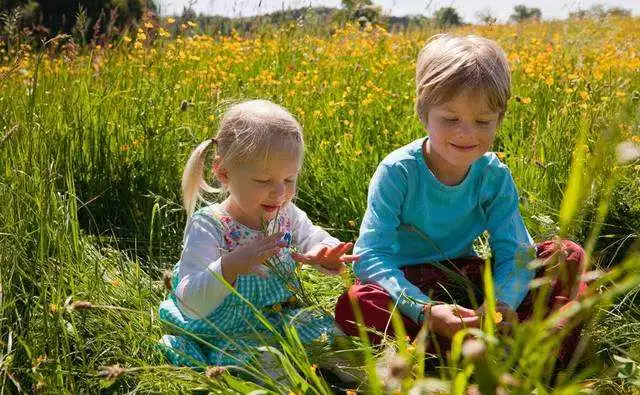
(500, 155)
(53, 308)
(192, 24)
(526, 100)
(549, 81)
(171, 21)
(497, 317)
(126, 39)
(138, 45)
(584, 95)
(148, 25)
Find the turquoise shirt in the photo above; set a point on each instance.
(413, 218)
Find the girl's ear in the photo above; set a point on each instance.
(221, 173)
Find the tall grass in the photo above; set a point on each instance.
(93, 140)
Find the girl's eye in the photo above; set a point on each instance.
(483, 123)
(262, 181)
(289, 181)
(450, 120)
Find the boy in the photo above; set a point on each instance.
(429, 200)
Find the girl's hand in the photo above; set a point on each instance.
(328, 260)
(447, 319)
(250, 258)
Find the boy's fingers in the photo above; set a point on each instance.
(470, 322)
(464, 312)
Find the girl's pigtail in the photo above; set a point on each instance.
(193, 177)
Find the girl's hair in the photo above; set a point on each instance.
(250, 132)
(448, 65)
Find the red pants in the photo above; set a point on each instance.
(564, 263)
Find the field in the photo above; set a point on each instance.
(93, 140)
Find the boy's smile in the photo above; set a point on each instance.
(461, 130)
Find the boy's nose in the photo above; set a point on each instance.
(465, 127)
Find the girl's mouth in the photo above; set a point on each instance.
(269, 208)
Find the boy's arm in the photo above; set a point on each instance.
(377, 246)
(511, 244)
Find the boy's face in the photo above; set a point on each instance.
(257, 191)
(461, 130)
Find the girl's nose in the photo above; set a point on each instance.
(278, 188)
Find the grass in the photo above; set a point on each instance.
(93, 140)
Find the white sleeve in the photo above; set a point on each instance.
(305, 234)
(199, 292)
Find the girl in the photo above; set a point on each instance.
(244, 241)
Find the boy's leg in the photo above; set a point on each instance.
(564, 263)
(373, 302)
(436, 280)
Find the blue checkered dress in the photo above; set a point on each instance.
(231, 334)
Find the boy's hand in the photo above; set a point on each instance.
(447, 319)
(250, 258)
(504, 318)
(328, 260)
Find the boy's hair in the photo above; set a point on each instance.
(250, 132)
(447, 65)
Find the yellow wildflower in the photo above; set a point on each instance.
(148, 25)
(584, 95)
(171, 21)
(526, 100)
(549, 81)
(126, 39)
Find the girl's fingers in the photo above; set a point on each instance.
(349, 258)
(260, 271)
(273, 238)
(300, 257)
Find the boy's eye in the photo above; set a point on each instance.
(289, 181)
(450, 120)
(483, 123)
(262, 181)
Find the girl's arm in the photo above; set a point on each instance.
(199, 291)
(305, 234)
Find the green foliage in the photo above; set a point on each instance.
(447, 17)
(522, 13)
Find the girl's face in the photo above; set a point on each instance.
(461, 130)
(257, 191)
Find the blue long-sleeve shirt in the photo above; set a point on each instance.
(413, 218)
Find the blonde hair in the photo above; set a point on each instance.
(448, 65)
(249, 132)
